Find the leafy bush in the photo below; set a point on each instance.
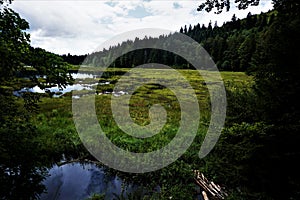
(235, 159)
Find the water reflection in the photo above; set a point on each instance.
(80, 181)
(57, 92)
(22, 183)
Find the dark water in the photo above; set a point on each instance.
(80, 181)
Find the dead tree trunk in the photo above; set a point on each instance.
(210, 189)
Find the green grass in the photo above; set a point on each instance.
(55, 114)
(59, 136)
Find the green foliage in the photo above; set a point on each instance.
(14, 42)
(277, 86)
(18, 154)
(49, 64)
(241, 103)
(20, 166)
(235, 160)
(220, 5)
(276, 71)
(271, 172)
(22, 160)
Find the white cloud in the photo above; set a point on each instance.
(78, 27)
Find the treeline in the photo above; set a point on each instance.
(136, 56)
(73, 59)
(232, 46)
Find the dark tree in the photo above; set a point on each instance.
(272, 169)
(233, 19)
(181, 30)
(21, 171)
(185, 30)
(220, 5)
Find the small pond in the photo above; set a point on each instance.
(80, 181)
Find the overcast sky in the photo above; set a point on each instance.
(79, 27)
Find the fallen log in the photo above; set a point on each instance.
(205, 197)
(210, 190)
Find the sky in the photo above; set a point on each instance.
(79, 27)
